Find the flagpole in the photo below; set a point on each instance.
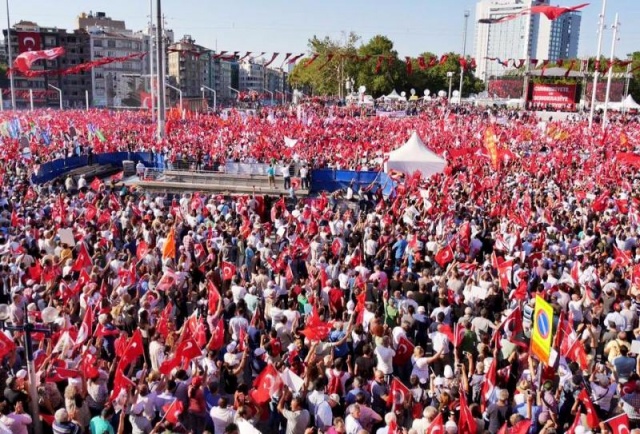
(10, 60)
(160, 79)
(464, 53)
(153, 103)
(595, 74)
(616, 25)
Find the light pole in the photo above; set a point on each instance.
(31, 99)
(10, 60)
(153, 103)
(450, 75)
(49, 315)
(235, 90)
(464, 51)
(59, 93)
(160, 70)
(215, 95)
(270, 93)
(616, 26)
(596, 72)
(179, 93)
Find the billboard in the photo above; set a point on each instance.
(554, 94)
(29, 41)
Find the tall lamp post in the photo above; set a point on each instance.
(270, 93)
(10, 60)
(596, 72)
(179, 95)
(235, 90)
(215, 94)
(450, 75)
(49, 315)
(464, 50)
(59, 93)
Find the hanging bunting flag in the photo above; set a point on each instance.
(294, 59)
(559, 63)
(571, 65)
(521, 63)
(473, 64)
(378, 64)
(219, 55)
(444, 59)
(23, 62)
(534, 62)
(545, 63)
(311, 60)
(245, 56)
(286, 57)
(409, 62)
(432, 62)
(463, 62)
(273, 57)
(329, 59)
(421, 63)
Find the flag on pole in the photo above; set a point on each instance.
(542, 333)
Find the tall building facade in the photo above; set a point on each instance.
(29, 36)
(189, 66)
(115, 84)
(526, 36)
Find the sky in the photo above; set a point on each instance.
(284, 26)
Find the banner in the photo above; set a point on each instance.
(76, 69)
(29, 41)
(542, 333)
(554, 94)
(24, 61)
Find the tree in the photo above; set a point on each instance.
(335, 62)
(391, 73)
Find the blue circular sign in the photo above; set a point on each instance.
(544, 324)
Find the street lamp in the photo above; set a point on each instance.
(271, 93)
(235, 90)
(215, 94)
(179, 93)
(49, 315)
(464, 51)
(59, 93)
(450, 75)
(10, 60)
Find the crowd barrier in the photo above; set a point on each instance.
(333, 180)
(54, 169)
(321, 179)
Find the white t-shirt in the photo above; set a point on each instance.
(221, 418)
(385, 359)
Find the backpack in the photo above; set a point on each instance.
(335, 384)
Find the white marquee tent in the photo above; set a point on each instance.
(627, 104)
(414, 155)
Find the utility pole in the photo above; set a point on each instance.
(596, 72)
(161, 89)
(151, 91)
(464, 52)
(10, 60)
(616, 26)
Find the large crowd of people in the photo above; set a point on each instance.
(341, 313)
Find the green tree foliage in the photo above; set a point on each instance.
(362, 62)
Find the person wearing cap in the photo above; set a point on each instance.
(324, 412)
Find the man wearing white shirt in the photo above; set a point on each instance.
(222, 415)
(351, 424)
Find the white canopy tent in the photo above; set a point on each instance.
(627, 104)
(414, 155)
(393, 96)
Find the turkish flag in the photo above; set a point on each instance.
(436, 426)
(117, 177)
(142, 250)
(399, 393)
(29, 41)
(163, 321)
(266, 385)
(466, 423)
(489, 385)
(134, 350)
(86, 328)
(336, 247)
(120, 383)
(228, 270)
(169, 365)
(619, 424)
(6, 345)
(83, 260)
(95, 184)
(105, 217)
(214, 296)
(166, 282)
(592, 416)
(90, 212)
(173, 411)
(188, 349)
(622, 258)
(444, 256)
(24, 60)
(217, 336)
(521, 427)
(504, 273)
(635, 276)
(403, 352)
(575, 424)
(445, 329)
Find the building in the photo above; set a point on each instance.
(527, 36)
(251, 77)
(115, 84)
(189, 66)
(27, 36)
(277, 83)
(559, 39)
